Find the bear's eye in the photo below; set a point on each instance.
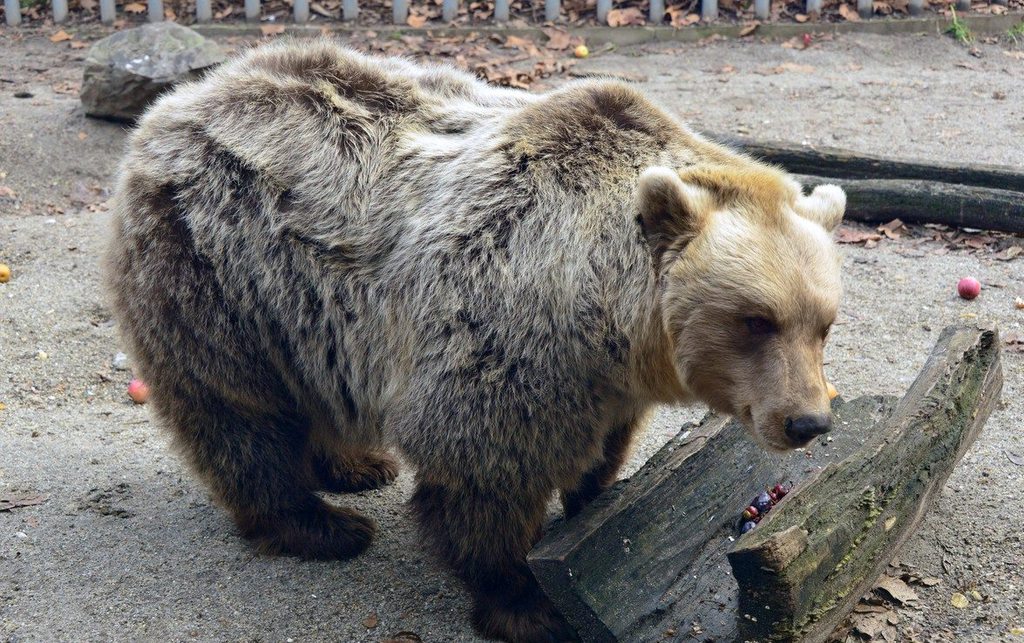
(760, 326)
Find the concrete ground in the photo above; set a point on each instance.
(127, 546)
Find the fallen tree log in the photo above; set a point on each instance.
(843, 164)
(648, 559)
(813, 556)
(881, 200)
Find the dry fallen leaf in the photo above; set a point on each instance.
(135, 7)
(848, 13)
(748, 28)
(874, 625)
(800, 17)
(558, 39)
(10, 501)
(78, 44)
(371, 621)
(625, 17)
(959, 601)
(271, 30)
(1010, 253)
(416, 21)
(894, 229)
(6, 192)
(896, 589)
(60, 36)
(850, 235)
(1019, 55)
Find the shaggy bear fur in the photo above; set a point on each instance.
(320, 255)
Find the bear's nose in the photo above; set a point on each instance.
(805, 427)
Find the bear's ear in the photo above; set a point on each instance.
(825, 206)
(671, 211)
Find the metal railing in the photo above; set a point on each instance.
(449, 10)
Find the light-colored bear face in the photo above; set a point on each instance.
(750, 287)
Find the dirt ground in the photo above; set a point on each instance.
(127, 546)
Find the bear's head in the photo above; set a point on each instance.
(749, 281)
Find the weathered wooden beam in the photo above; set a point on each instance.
(650, 554)
(965, 206)
(648, 559)
(807, 563)
(843, 164)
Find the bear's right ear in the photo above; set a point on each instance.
(671, 211)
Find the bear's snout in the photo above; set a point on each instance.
(804, 428)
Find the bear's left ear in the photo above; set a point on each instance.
(671, 211)
(825, 206)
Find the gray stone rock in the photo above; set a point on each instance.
(126, 72)
(120, 362)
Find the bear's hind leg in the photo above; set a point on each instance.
(485, 534)
(257, 466)
(348, 471)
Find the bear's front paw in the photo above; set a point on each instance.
(352, 474)
(530, 620)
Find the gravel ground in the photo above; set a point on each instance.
(128, 546)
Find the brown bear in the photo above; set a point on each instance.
(320, 255)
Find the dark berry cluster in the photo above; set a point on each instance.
(761, 505)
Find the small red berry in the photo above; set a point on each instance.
(750, 513)
(780, 491)
(968, 287)
(138, 391)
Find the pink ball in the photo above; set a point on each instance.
(968, 288)
(138, 391)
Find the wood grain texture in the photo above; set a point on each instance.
(649, 556)
(851, 521)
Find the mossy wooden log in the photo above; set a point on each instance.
(821, 548)
(647, 560)
(843, 164)
(964, 206)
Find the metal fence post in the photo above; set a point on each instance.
(301, 10)
(603, 7)
(107, 11)
(865, 8)
(551, 9)
(349, 9)
(501, 10)
(916, 7)
(657, 12)
(813, 8)
(762, 9)
(709, 9)
(156, 10)
(204, 12)
(963, 5)
(449, 10)
(60, 10)
(399, 12)
(252, 9)
(12, 9)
